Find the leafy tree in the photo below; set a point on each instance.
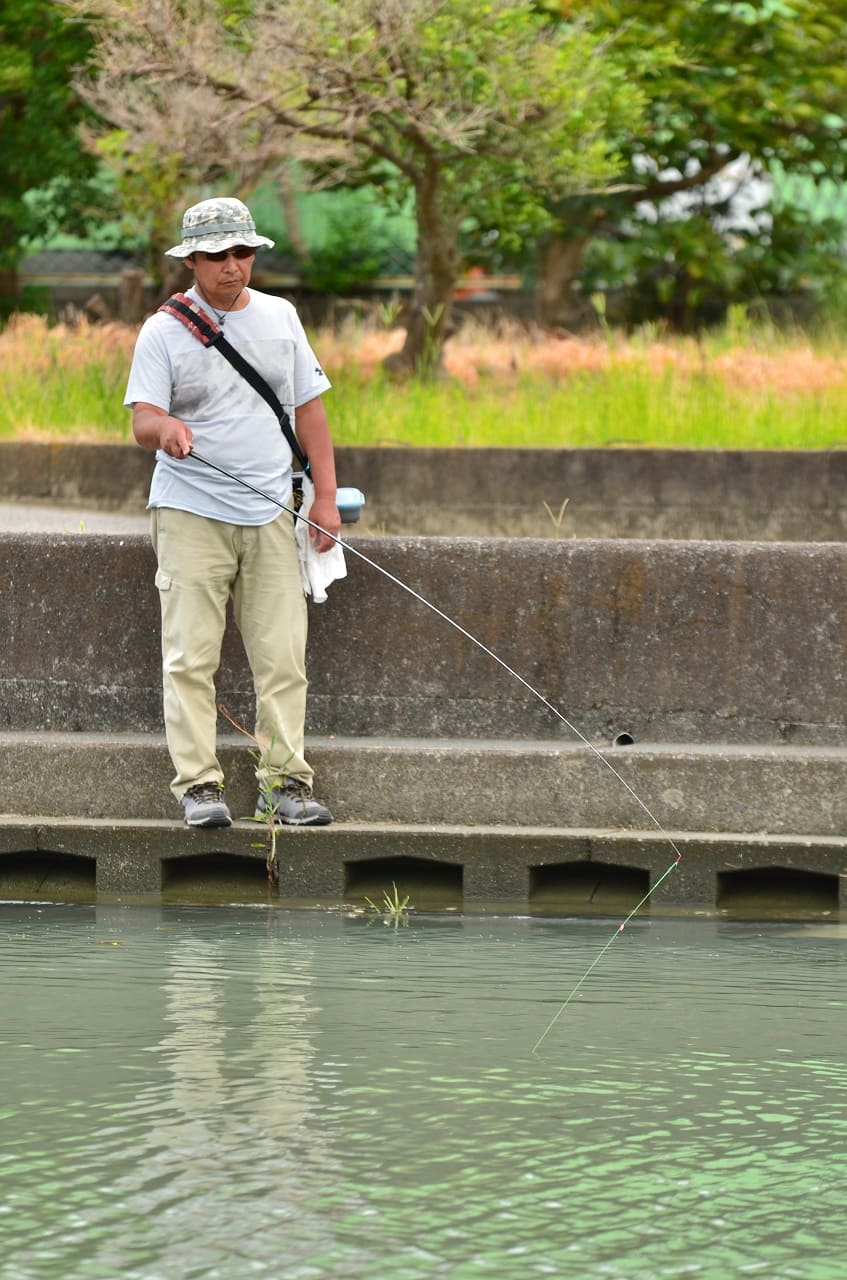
(163, 138)
(460, 101)
(688, 272)
(39, 117)
(760, 83)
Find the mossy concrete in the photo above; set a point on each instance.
(723, 642)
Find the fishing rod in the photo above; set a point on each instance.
(536, 693)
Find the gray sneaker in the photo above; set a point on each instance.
(293, 806)
(203, 805)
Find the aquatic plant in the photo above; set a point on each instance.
(394, 910)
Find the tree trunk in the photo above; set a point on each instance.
(173, 277)
(556, 304)
(291, 213)
(9, 289)
(167, 275)
(131, 302)
(438, 267)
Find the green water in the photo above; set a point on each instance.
(235, 1093)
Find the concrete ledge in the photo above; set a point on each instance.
(609, 493)
(546, 869)
(670, 641)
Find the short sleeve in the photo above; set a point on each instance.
(309, 378)
(151, 371)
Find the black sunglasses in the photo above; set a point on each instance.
(240, 251)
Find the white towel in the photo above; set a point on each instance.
(317, 568)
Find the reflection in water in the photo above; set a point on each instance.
(261, 1093)
(233, 1094)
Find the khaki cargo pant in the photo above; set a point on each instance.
(202, 563)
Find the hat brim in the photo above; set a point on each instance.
(214, 243)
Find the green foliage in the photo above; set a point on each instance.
(39, 116)
(233, 13)
(477, 92)
(354, 250)
(765, 79)
(688, 272)
(669, 270)
(723, 391)
(152, 187)
(763, 83)
(801, 256)
(506, 120)
(488, 111)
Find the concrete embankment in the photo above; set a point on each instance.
(569, 493)
(718, 663)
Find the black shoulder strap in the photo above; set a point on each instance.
(195, 319)
(257, 382)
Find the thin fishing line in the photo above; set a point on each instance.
(563, 1006)
(458, 627)
(517, 676)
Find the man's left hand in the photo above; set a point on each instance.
(325, 513)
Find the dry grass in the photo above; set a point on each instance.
(510, 352)
(35, 348)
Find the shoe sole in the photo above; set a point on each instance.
(294, 822)
(213, 820)
(306, 822)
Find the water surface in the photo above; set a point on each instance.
(227, 1093)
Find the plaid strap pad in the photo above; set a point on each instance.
(192, 315)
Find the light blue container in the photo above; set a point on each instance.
(349, 502)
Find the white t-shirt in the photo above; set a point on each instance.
(232, 425)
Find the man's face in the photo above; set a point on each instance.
(222, 276)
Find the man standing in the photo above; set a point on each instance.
(213, 538)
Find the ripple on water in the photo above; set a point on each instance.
(223, 1090)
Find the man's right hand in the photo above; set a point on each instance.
(153, 428)
(175, 438)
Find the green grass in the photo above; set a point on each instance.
(742, 390)
(63, 383)
(620, 407)
(87, 402)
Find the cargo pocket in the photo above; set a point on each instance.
(163, 580)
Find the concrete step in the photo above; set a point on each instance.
(798, 791)
(505, 824)
(452, 867)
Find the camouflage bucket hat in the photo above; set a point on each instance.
(217, 224)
